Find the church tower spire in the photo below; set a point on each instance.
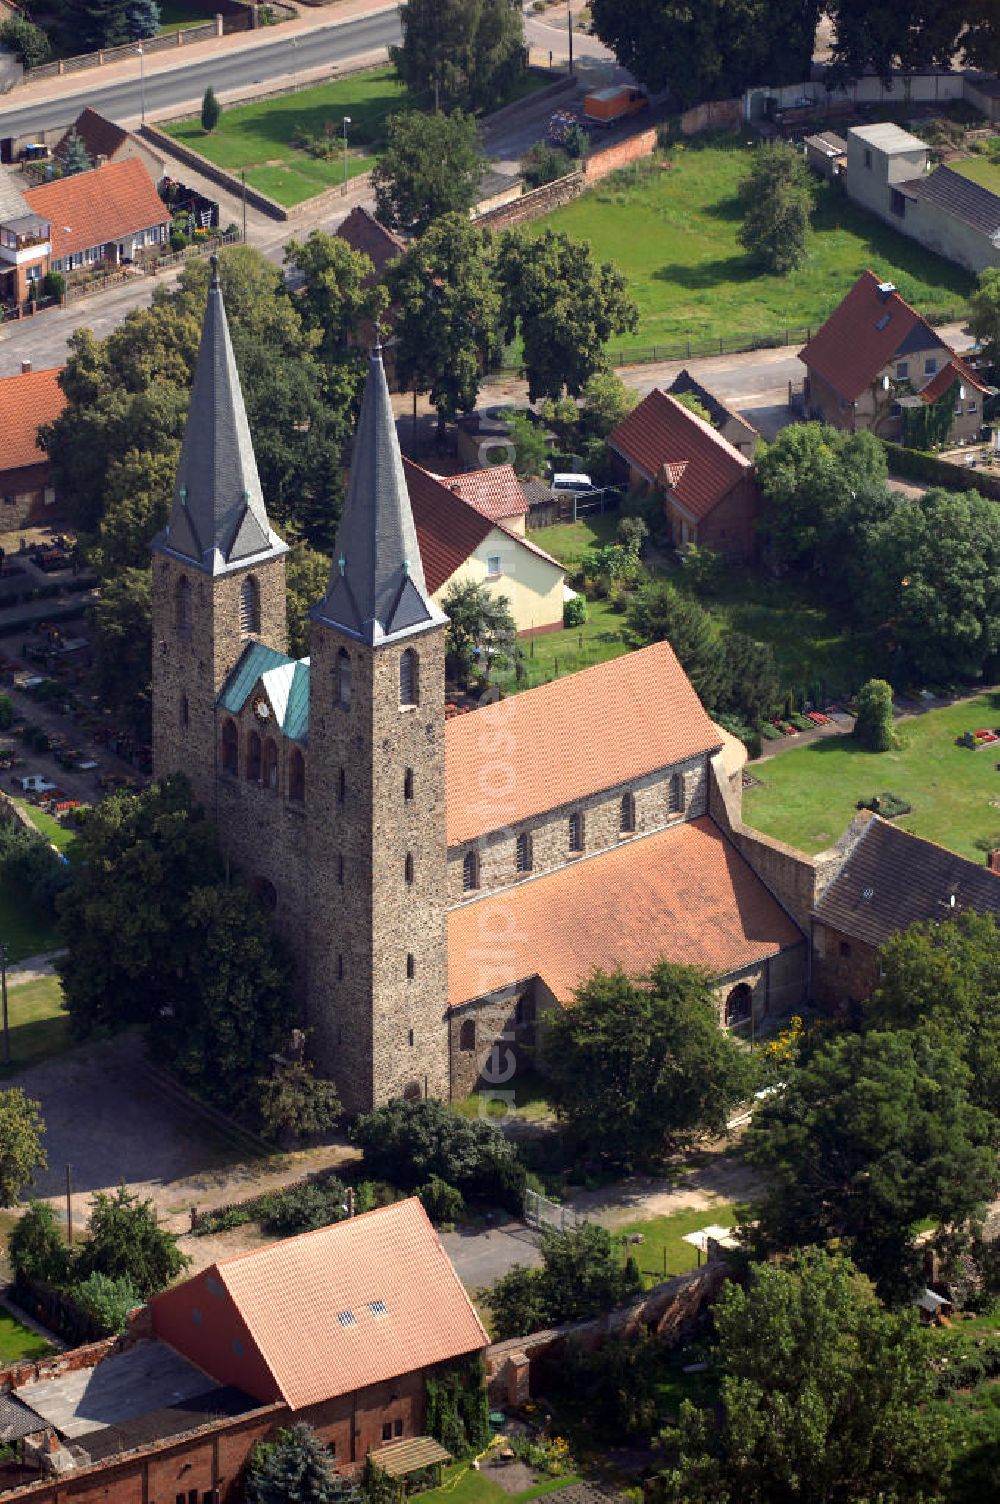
(377, 590)
(218, 565)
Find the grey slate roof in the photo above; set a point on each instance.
(377, 590)
(218, 520)
(892, 878)
(960, 197)
(17, 1419)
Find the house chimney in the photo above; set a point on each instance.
(25, 367)
(100, 160)
(886, 290)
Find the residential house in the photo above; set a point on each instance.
(461, 542)
(710, 493)
(887, 173)
(25, 244)
(101, 218)
(882, 880)
(339, 1328)
(826, 154)
(874, 352)
(26, 402)
(733, 428)
(364, 233)
(104, 141)
(495, 492)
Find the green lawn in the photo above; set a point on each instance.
(62, 837)
(984, 168)
(672, 231)
(39, 1027)
(555, 654)
(529, 1100)
(257, 137)
(809, 793)
(16, 1341)
(175, 15)
(462, 1484)
(569, 541)
(24, 930)
(663, 1251)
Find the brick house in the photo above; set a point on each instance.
(876, 354)
(105, 141)
(733, 428)
(710, 493)
(101, 218)
(882, 880)
(26, 402)
(338, 1328)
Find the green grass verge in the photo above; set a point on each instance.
(39, 1026)
(24, 930)
(673, 230)
(569, 541)
(17, 1342)
(808, 794)
(257, 137)
(62, 837)
(555, 654)
(462, 1484)
(663, 1251)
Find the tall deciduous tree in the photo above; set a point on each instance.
(893, 35)
(21, 1152)
(640, 1063)
(564, 307)
(444, 290)
(871, 1136)
(121, 620)
(984, 312)
(823, 1398)
(430, 165)
(776, 196)
(481, 631)
(339, 299)
(466, 54)
(88, 25)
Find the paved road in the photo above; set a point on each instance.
(120, 99)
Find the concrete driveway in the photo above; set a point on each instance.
(481, 1257)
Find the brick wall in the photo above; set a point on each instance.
(610, 158)
(22, 498)
(531, 205)
(730, 527)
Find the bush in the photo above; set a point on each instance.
(407, 1143)
(544, 164)
(874, 725)
(36, 1248)
(575, 611)
(303, 1208)
(441, 1201)
(29, 43)
(107, 1301)
(458, 1408)
(54, 285)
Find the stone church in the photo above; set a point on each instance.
(441, 882)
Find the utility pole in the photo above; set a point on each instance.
(142, 83)
(243, 180)
(347, 122)
(3, 992)
(69, 1205)
(569, 23)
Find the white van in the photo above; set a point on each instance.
(567, 481)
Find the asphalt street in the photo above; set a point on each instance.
(327, 45)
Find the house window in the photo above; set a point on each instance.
(249, 607)
(523, 854)
(626, 814)
(408, 784)
(973, 407)
(675, 795)
(253, 758)
(344, 679)
(387, 1430)
(493, 569)
(576, 831)
(230, 748)
(902, 370)
(739, 1005)
(340, 967)
(930, 365)
(467, 1035)
(408, 867)
(182, 605)
(524, 1018)
(868, 158)
(897, 203)
(411, 966)
(296, 776)
(410, 1038)
(470, 871)
(412, 1092)
(397, 1428)
(185, 712)
(409, 678)
(270, 764)
(340, 870)
(845, 948)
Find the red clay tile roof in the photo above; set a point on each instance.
(576, 736)
(448, 529)
(663, 432)
(861, 336)
(684, 893)
(26, 402)
(955, 370)
(303, 1320)
(100, 136)
(363, 232)
(495, 492)
(93, 207)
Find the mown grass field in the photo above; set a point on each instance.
(671, 226)
(257, 137)
(16, 1341)
(984, 168)
(808, 794)
(663, 1251)
(39, 1028)
(463, 1484)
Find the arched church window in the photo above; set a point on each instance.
(412, 1092)
(675, 795)
(467, 1035)
(523, 854)
(296, 776)
(343, 690)
(253, 758)
(249, 607)
(182, 605)
(230, 748)
(626, 816)
(470, 871)
(409, 678)
(411, 967)
(185, 713)
(408, 784)
(270, 764)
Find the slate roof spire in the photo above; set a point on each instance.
(377, 591)
(218, 520)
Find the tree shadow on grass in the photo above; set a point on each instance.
(707, 275)
(724, 208)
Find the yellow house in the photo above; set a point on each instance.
(459, 544)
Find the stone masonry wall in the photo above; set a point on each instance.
(534, 204)
(789, 874)
(845, 970)
(550, 831)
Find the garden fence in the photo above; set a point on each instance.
(546, 1215)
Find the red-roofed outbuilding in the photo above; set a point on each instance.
(26, 402)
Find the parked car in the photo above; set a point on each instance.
(565, 480)
(34, 783)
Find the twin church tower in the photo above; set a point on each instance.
(324, 775)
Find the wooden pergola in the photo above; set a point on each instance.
(400, 1458)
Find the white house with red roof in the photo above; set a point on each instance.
(875, 355)
(709, 490)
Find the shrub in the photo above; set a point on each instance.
(107, 1301)
(873, 726)
(543, 164)
(36, 1248)
(575, 611)
(29, 43)
(303, 1208)
(441, 1201)
(407, 1143)
(54, 285)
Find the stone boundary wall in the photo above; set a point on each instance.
(55, 1365)
(600, 163)
(9, 811)
(219, 175)
(668, 1310)
(713, 115)
(532, 205)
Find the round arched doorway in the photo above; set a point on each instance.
(739, 1005)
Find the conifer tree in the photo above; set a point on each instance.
(142, 17)
(210, 110)
(294, 1469)
(77, 158)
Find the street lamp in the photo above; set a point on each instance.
(3, 995)
(347, 122)
(569, 23)
(142, 83)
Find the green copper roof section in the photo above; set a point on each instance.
(284, 680)
(296, 726)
